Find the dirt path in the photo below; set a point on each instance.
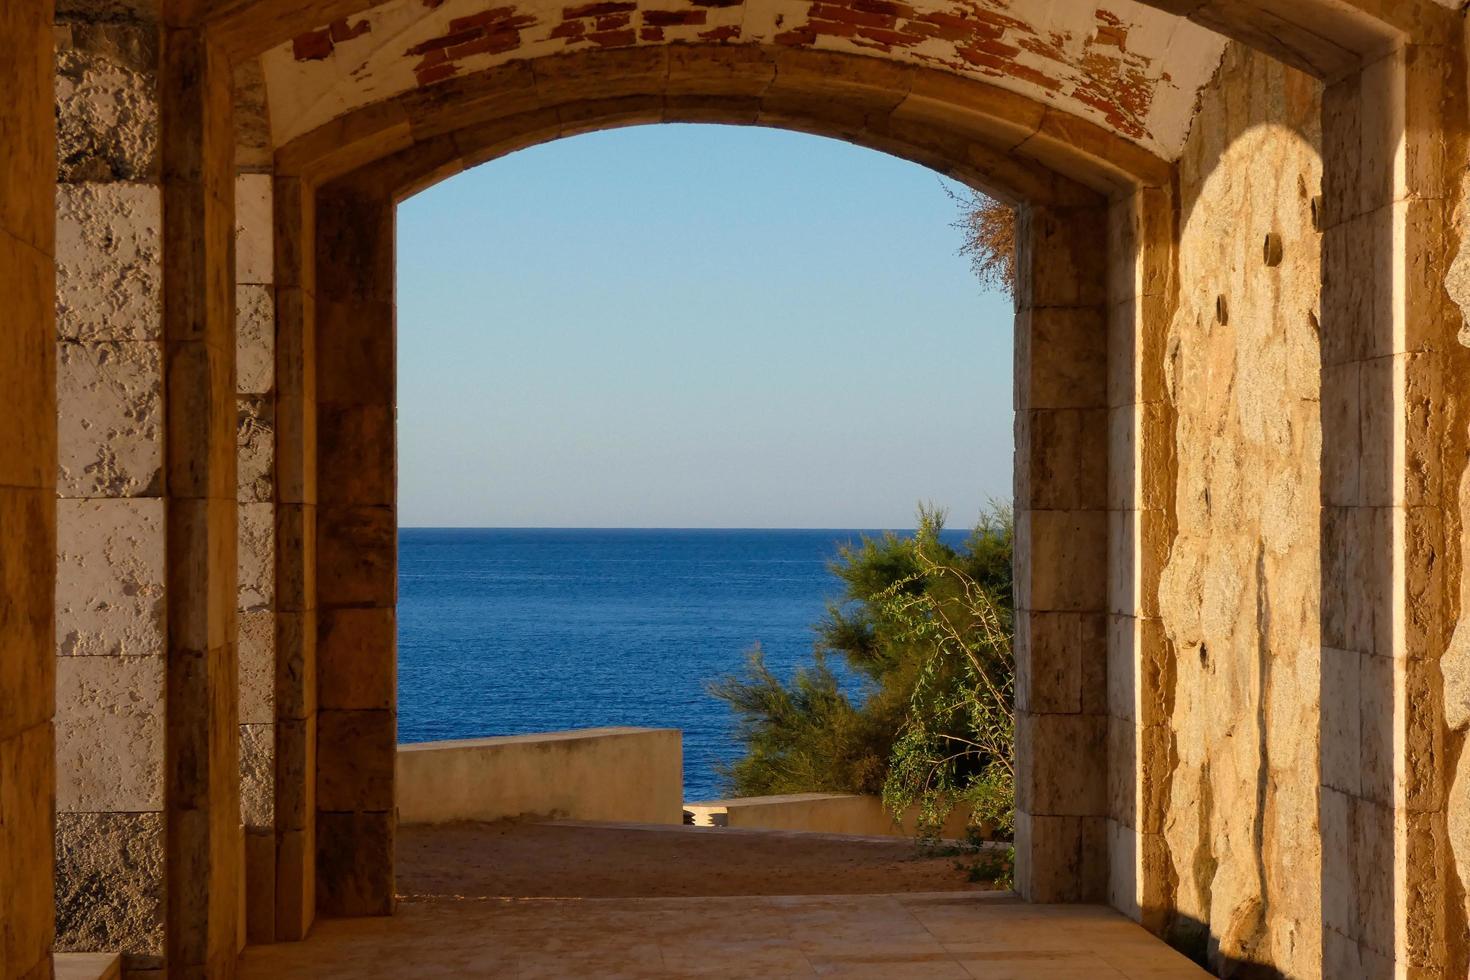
(574, 860)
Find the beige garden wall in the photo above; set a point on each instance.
(1239, 590)
(614, 774)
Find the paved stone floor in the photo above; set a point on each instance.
(987, 935)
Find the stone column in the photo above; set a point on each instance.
(255, 406)
(111, 634)
(296, 624)
(148, 829)
(27, 489)
(1061, 554)
(204, 846)
(357, 551)
(1142, 285)
(1393, 434)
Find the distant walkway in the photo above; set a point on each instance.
(458, 929)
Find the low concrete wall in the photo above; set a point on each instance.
(614, 774)
(822, 813)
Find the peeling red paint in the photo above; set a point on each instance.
(725, 32)
(318, 45)
(494, 30)
(1105, 76)
(979, 37)
(674, 18)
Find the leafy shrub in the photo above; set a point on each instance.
(927, 629)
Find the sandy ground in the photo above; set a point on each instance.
(582, 860)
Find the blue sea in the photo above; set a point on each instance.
(510, 631)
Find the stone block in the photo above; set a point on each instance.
(1061, 859)
(27, 367)
(257, 647)
(257, 776)
(110, 431)
(356, 657)
(1377, 869)
(109, 262)
(356, 341)
(1342, 444)
(255, 339)
(1123, 665)
(110, 884)
(1379, 680)
(354, 863)
(1061, 765)
(203, 538)
(356, 453)
(1060, 460)
(1061, 560)
(296, 768)
(257, 557)
(355, 759)
(1123, 877)
(1122, 771)
(295, 884)
(1061, 357)
(27, 813)
(1341, 721)
(296, 557)
(1062, 255)
(27, 577)
(296, 664)
(255, 444)
(1339, 853)
(357, 555)
(260, 888)
(254, 229)
(1049, 652)
(107, 103)
(110, 577)
(109, 733)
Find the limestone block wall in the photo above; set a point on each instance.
(1238, 597)
(111, 632)
(27, 489)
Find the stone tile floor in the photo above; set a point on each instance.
(985, 935)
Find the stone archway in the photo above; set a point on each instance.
(1079, 286)
(1393, 137)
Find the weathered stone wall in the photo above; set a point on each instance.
(1239, 592)
(111, 634)
(27, 490)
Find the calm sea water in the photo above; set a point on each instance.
(504, 632)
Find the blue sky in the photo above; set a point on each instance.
(695, 326)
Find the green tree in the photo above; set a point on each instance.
(926, 627)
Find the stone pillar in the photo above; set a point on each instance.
(1393, 435)
(357, 542)
(111, 634)
(27, 490)
(204, 847)
(255, 407)
(296, 625)
(1061, 554)
(1142, 285)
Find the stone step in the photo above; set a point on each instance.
(88, 966)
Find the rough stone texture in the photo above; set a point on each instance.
(257, 557)
(257, 775)
(111, 425)
(255, 442)
(109, 262)
(110, 576)
(109, 884)
(109, 744)
(257, 667)
(255, 339)
(107, 109)
(1239, 594)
